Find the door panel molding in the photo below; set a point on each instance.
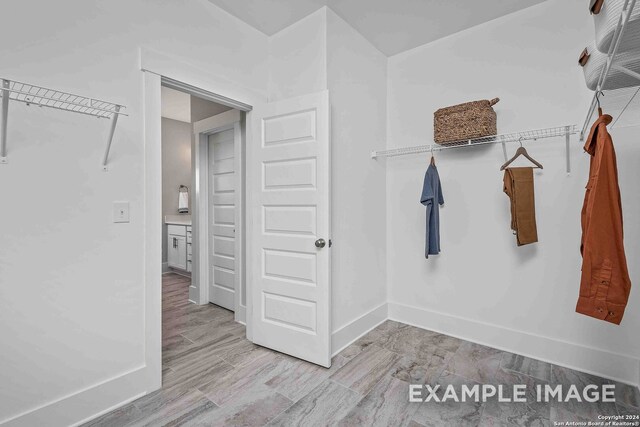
(289, 161)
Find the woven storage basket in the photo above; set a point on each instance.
(607, 20)
(596, 61)
(465, 121)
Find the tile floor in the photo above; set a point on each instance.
(213, 376)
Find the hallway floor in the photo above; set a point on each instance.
(212, 376)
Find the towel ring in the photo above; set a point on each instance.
(186, 189)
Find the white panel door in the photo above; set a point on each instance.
(291, 283)
(222, 214)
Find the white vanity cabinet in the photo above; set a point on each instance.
(189, 252)
(179, 247)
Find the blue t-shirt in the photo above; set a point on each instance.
(432, 198)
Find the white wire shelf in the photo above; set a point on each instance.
(529, 135)
(623, 20)
(30, 94)
(44, 97)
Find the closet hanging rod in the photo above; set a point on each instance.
(623, 20)
(530, 135)
(30, 94)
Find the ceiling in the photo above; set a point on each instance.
(393, 26)
(176, 105)
(183, 107)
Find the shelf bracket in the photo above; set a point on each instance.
(3, 126)
(112, 129)
(567, 148)
(504, 151)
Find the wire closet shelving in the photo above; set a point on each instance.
(623, 20)
(29, 94)
(529, 135)
(535, 135)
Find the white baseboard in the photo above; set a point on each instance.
(353, 330)
(193, 294)
(241, 314)
(614, 366)
(165, 267)
(84, 405)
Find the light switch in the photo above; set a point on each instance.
(120, 211)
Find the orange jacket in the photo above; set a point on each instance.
(605, 284)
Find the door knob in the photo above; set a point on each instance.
(320, 243)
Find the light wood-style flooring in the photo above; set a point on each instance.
(213, 376)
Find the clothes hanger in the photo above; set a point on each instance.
(598, 95)
(433, 159)
(521, 151)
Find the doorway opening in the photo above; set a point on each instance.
(289, 194)
(202, 227)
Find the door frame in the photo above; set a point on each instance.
(202, 129)
(158, 69)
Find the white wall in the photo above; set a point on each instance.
(357, 76)
(298, 58)
(322, 52)
(482, 287)
(71, 281)
(176, 105)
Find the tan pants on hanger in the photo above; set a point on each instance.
(518, 185)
